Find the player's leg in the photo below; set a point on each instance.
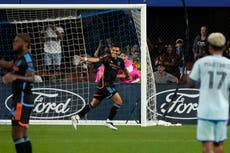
(88, 107)
(19, 129)
(219, 147)
(207, 147)
(48, 61)
(206, 134)
(18, 138)
(220, 136)
(98, 97)
(116, 98)
(57, 61)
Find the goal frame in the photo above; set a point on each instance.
(143, 46)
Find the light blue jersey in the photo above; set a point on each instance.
(213, 73)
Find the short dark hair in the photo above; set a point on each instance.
(25, 37)
(115, 45)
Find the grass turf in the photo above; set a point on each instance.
(100, 139)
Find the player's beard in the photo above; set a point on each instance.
(19, 49)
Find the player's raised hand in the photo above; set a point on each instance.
(8, 78)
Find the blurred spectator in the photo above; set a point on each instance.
(100, 51)
(227, 51)
(151, 51)
(159, 47)
(135, 54)
(150, 44)
(135, 48)
(200, 47)
(53, 34)
(171, 61)
(127, 50)
(180, 53)
(163, 77)
(179, 48)
(108, 42)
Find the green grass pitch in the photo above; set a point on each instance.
(100, 139)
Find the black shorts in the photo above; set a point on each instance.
(105, 92)
(21, 111)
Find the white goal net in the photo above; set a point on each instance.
(58, 33)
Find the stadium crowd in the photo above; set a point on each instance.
(175, 59)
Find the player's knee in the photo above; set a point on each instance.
(94, 103)
(120, 102)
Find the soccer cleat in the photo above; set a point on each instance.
(110, 125)
(75, 119)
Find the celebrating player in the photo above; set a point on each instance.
(213, 74)
(105, 89)
(21, 78)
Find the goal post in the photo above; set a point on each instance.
(63, 89)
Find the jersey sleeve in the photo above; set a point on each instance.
(29, 62)
(30, 67)
(195, 73)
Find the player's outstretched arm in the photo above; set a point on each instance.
(9, 77)
(90, 59)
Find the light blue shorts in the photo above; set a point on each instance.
(211, 131)
(52, 59)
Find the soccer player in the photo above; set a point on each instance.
(22, 78)
(212, 73)
(105, 89)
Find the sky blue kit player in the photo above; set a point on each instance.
(213, 74)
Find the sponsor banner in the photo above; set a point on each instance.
(182, 109)
(61, 101)
(53, 103)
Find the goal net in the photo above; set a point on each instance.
(63, 85)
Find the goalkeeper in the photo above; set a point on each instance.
(105, 88)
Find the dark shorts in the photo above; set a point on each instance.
(106, 92)
(21, 111)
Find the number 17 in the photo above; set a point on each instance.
(211, 76)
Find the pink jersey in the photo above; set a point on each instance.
(133, 71)
(100, 71)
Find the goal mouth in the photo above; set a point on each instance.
(64, 85)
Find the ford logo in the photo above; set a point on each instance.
(183, 107)
(51, 103)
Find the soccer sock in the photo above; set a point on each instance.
(28, 145)
(20, 145)
(85, 110)
(114, 111)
